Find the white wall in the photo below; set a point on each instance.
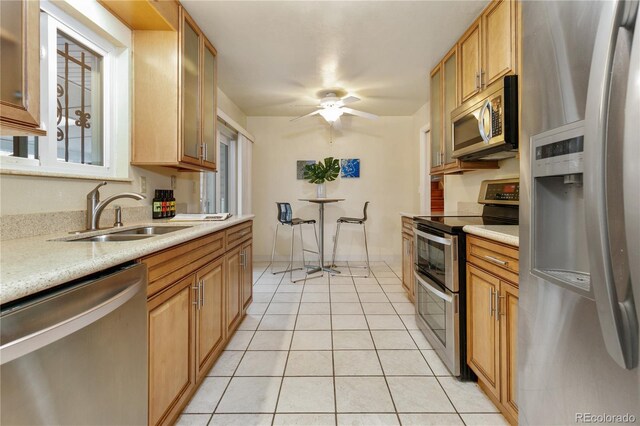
(421, 120)
(389, 167)
(231, 109)
(461, 191)
(39, 194)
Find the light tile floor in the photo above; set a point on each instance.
(333, 351)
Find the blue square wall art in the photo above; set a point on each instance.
(350, 168)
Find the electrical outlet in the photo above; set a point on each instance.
(143, 184)
(173, 182)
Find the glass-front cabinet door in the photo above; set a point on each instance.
(450, 103)
(436, 117)
(191, 119)
(209, 112)
(20, 67)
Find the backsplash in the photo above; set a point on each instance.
(34, 224)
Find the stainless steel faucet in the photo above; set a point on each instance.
(95, 206)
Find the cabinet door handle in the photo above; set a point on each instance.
(201, 285)
(242, 259)
(206, 152)
(477, 80)
(482, 83)
(498, 310)
(197, 290)
(496, 261)
(491, 299)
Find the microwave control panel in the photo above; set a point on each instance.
(559, 151)
(496, 116)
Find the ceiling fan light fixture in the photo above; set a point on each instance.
(331, 114)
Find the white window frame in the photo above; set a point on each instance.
(52, 19)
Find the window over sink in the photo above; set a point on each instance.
(85, 79)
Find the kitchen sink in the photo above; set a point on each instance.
(113, 237)
(150, 230)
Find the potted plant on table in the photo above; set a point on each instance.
(322, 172)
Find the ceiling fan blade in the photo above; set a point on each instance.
(347, 100)
(307, 115)
(362, 114)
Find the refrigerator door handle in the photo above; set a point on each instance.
(618, 320)
(631, 172)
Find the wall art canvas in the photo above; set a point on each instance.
(300, 167)
(350, 168)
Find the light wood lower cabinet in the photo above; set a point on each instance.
(197, 295)
(408, 280)
(492, 323)
(171, 323)
(233, 289)
(210, 330)
(247, 275)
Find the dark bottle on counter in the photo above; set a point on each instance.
(156, 205)
(165, 204)
(172, 205)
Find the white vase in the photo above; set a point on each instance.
(321, 190)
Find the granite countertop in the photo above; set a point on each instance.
(31, 265)
(506, 234)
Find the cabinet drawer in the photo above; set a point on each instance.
(238, 234)
(407, 225)
(168, 266)
(499, 259)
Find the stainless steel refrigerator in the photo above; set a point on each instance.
(579, 213)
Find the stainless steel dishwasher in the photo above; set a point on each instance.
(78, 355)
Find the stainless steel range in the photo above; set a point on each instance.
(440, 271)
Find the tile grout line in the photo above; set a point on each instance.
(375, 347)
(244, 352)
(284, 371)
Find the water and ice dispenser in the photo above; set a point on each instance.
(559, 235)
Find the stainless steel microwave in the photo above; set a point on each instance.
(486, 126)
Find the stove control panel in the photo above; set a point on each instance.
(500, 191)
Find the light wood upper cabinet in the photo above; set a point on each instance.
(20, 68)
(469, 46)
(175, 126)
(171, 330)
(436, 118)
(499, 37)
(210, 315)
(450, 102)
(191, 111)
(488, 49)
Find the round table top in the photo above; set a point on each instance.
(322, 200)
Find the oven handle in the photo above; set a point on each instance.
(428, 286)
(445, 241)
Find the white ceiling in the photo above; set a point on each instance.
(276, 54)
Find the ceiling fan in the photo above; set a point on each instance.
(332, 107)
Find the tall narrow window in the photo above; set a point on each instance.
(219, 191)
(79, 99)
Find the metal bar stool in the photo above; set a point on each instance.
(355, 221)
(285, 217)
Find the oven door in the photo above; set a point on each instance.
(438, 316)
(436, 256)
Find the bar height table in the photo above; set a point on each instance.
(321, 202)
